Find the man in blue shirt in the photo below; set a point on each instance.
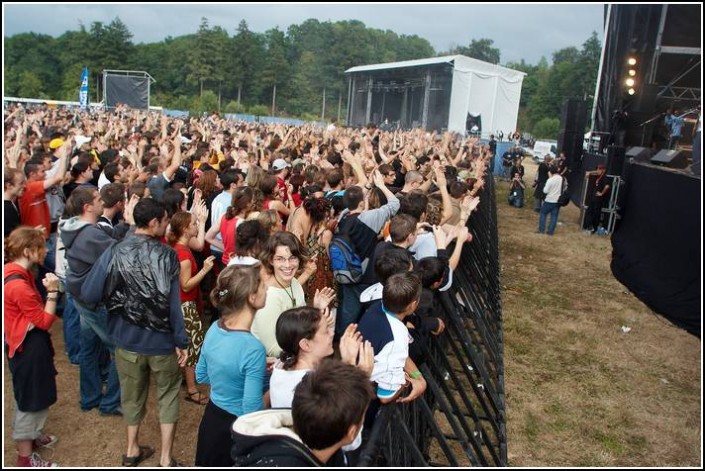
(674, 121)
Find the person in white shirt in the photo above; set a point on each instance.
(552, 189)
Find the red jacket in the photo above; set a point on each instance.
(24, 309)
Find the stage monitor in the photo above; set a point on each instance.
(638, 154)
(670, 158)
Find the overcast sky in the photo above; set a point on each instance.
(519, 31)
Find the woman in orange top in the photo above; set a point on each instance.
(28, 344)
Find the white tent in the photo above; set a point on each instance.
(478, 88)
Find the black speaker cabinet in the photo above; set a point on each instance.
(615, 160)
(670, 158)
(573, 115)
(639, 154)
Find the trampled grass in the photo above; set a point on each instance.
(580, 391)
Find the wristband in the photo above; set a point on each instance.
(416, 374)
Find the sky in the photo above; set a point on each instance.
(521, 31)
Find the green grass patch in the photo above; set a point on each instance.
(609, 443)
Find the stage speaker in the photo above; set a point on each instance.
(573, 115)
(571, 143)
(670, 158)
(615, 160)
(639, 154)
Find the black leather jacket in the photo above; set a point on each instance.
(139, 281)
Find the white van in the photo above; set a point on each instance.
(541, 148)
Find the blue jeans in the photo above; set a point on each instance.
(94, 334)
(349, 307)
(552, 209)
(72, 329)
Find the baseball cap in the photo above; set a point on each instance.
(56, 143)
(80, 140)
(280, 164)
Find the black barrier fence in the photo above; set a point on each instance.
(460, 420)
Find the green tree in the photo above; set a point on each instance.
(547, 128)
(30, 86)
(110, 47)
(30, 52)
(235, 107)
(276, 70)
(258, 110)
(206, 102)
(306, 99)
(480, 49)
(247, 61)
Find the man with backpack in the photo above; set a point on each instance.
(353, 245)
(553, 189)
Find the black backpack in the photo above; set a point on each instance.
(564, 199)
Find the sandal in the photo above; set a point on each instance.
(197, 398)
(173, 464)
(132, 461)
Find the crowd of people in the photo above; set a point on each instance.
(236, 255)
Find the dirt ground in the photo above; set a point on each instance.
(580, 391)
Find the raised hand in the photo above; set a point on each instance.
(323, 298)
(350, 343)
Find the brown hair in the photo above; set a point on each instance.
(400, 291)
(327, 401)
(234, 286)
(286, 239)
(207, 183)
(242, 200)
(401, 226)
(23, 237)
(178, 225)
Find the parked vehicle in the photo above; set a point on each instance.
(541, 148)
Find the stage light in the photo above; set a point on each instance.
(631, 91)
(629, 82)
(631, 72)
(631, 61)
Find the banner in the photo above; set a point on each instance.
(83, 95)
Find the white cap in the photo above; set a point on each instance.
(280, 164)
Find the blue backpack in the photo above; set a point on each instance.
(345, 263)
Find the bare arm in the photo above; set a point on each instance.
(175, 159)
(189, 282)
(58, 177)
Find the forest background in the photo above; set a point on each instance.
(213, 70)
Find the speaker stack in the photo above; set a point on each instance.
(570, 139)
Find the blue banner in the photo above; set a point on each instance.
(83, 95)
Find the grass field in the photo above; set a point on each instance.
(580, 391)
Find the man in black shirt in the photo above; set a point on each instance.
(14, 184)
(598, 194)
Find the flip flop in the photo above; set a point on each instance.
(197, 398)
(132, 461)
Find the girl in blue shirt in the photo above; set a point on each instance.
(232, 361)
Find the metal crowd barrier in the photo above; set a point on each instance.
(460, 420)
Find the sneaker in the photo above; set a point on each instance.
(45, 441)
(36, 461)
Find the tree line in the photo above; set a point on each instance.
(212, 70)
